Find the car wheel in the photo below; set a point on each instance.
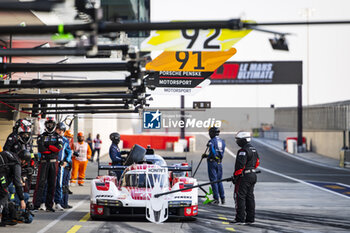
(94, 217)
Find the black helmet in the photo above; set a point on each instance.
(50, 125)
(213, 131)
(25, 131)
(25, 155)
(10, 157)
(242, 138)
(61, 126)
(115, 138)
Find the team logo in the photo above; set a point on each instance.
(152, 120)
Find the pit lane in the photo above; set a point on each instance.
(282, 204)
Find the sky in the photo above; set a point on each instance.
(325, 71)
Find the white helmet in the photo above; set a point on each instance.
(24, 131)
(243, 138)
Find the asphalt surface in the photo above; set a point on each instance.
(286, 200)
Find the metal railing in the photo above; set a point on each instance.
(321, 117)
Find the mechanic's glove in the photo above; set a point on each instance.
(30, 171)
(124, 152)
(53, 148)
(76, 154)
(204, 156)
(61, 163)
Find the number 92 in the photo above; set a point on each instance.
(195, 35)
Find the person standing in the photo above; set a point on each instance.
(20, 139)
(97, 147)
(67, 173)
(82, 153)
(247, 161)
(216, 148)
(64, 158)
(114, 152)
(89, 141)
(49, 145)
(12, 138)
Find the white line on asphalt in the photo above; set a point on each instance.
(344, 185)
(287, 177)
(319, 174)
(51, 224)
(303, 182)
(230, 152)
(298, 158)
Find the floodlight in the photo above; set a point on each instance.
(279, 43)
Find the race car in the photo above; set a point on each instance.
(134, 193)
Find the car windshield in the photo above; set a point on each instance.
(155, 159)
(139, 180)
(179, 174)
(157, 162)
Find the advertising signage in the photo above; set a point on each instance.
(258, 72)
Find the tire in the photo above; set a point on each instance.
(94, 217)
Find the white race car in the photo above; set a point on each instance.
(134, 194)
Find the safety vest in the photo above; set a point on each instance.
(82, 149)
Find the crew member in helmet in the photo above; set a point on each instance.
(12, 138)
(27, 171)
(114, 152)
(20, 139)
(24, 159)
(10, 172)
(247, 161)
(81, 155)
(216, 147)
(64, 159)
(49, 145)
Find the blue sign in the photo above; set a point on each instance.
(152, 120)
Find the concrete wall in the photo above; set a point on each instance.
(95, 126)
(5, 130)
(325, 143)
(323, 126)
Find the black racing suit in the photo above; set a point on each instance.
(245, 178)
(15, 146)
(11, 139)
(13, 175)
(49, 144)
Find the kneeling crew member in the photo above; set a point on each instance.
(10, 172)
(247, 161)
